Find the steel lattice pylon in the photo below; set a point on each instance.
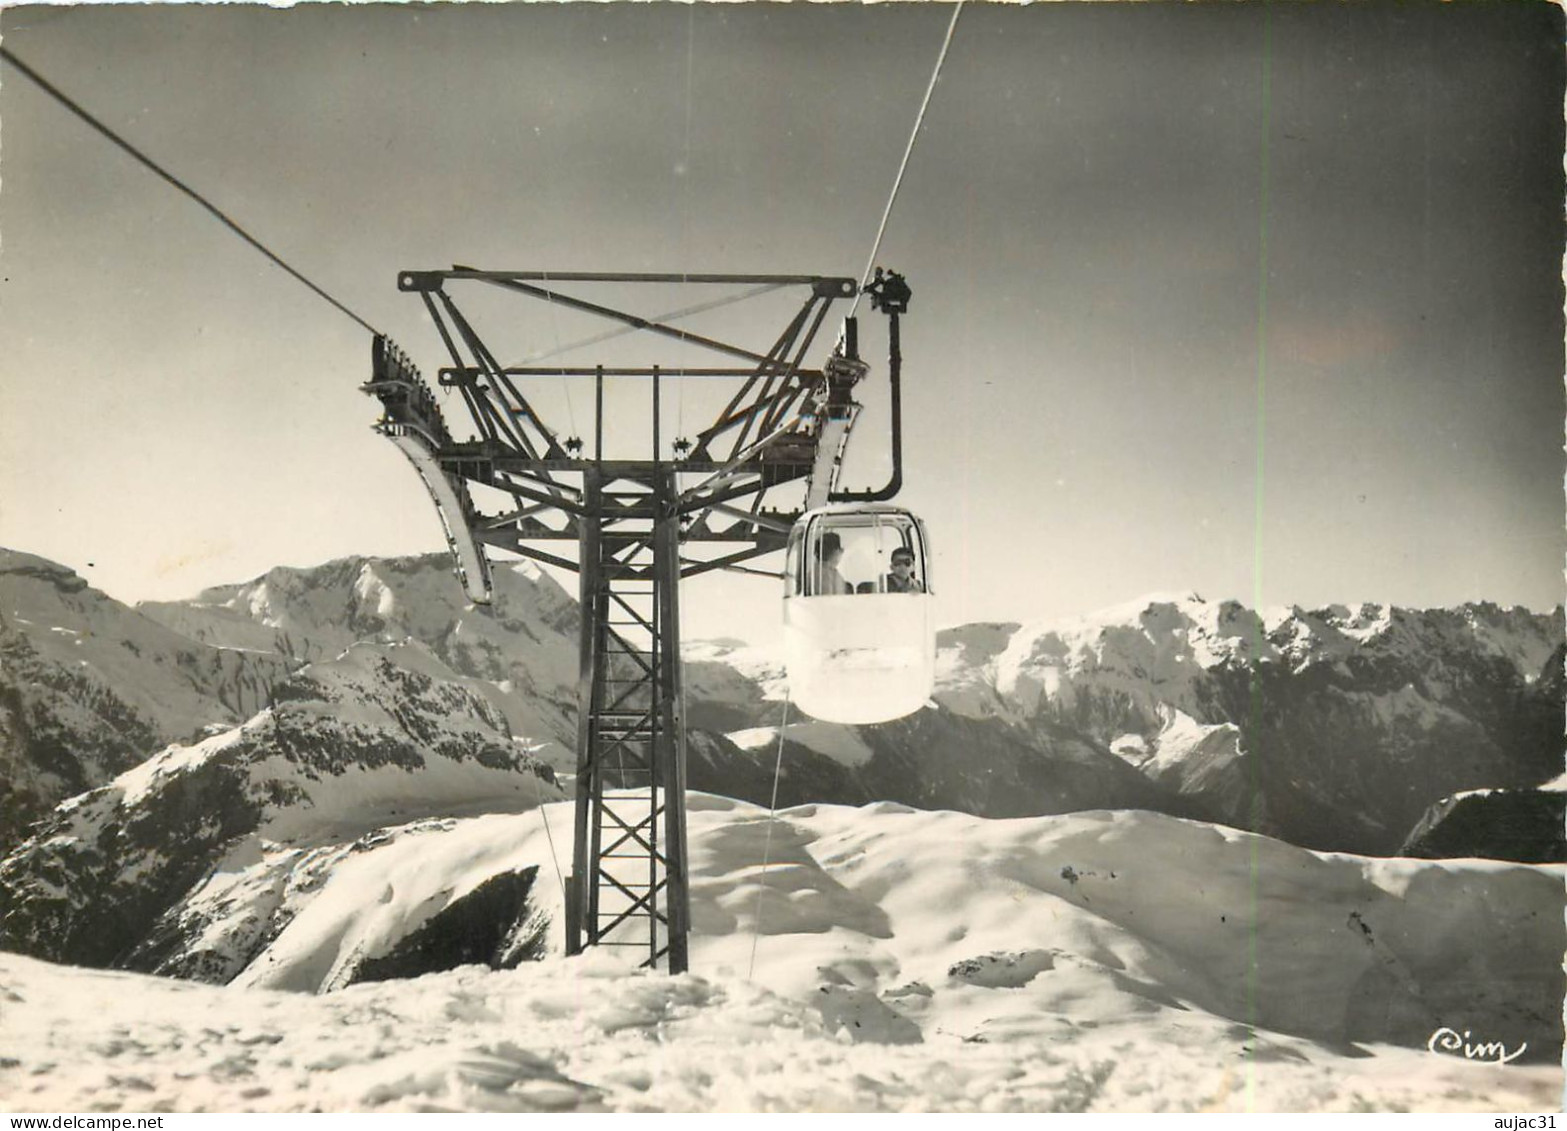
(631, 759)
(637, 525)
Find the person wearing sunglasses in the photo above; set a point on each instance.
(902, 579)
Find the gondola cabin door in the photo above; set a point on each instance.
(859, 640)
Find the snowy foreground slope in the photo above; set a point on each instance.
(884, 959)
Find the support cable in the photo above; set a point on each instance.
(622, 331)
(560, 878)
(565, 386)
(64, 100)
(767, 847)
(919, 120)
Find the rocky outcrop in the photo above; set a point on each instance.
(1527, 825)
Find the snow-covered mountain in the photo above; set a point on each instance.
(521, 654)
(141, 872)
(520, 651)
(89, 687)
(875, 958)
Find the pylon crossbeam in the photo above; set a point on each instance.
(635, 726)
(625, 745)
(654, 922)
(633, 688)
(646, 621)
(632, 837)
(641, 907)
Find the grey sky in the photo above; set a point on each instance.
(1156, 251)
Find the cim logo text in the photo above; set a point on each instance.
(1450, 1041)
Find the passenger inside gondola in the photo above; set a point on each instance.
(902, 579)
(829, 580)
(869, 559)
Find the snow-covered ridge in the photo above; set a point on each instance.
(1369, 713)
(101, 686)
(1167, 632)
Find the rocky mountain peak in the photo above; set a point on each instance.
(15, 565)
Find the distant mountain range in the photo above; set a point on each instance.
(1335, 729)
(260, 732)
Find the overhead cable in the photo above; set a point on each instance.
(64, 100)
(904, 164)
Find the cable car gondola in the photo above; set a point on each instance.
(859, 640)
